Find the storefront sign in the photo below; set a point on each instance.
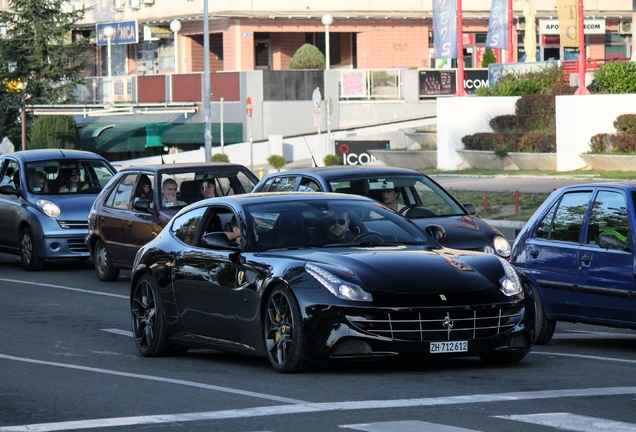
(355, 152)
(438, 82)
(591, 26)
(567, 11)
(152, 33)
(126, 32)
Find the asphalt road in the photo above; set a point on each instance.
(68, 363)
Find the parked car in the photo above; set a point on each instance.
(288, 291)
(139, 201)
(45, 197)
(578, 252)
(420, 199)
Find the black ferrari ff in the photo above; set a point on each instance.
(305, 278)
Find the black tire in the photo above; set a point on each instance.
(283, 332)
(104, 268)
(503, 357)
(148, 320)
(543, 327)
(29, 252)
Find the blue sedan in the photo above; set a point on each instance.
(578, 252)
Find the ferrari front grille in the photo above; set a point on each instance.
(439, 324)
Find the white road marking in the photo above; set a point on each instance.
(155, 378)
(298, 408)
(405, 425)
(119, 332)
(584, 356)
(573, 422)
(64, 288)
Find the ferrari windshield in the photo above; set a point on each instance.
(321, 223)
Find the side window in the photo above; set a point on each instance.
(563, 221)
(184, 227)
(609, 216)
(283, 184)
(120, 195)
(308, 185)
(11, 174)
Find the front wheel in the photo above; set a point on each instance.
(104, 267)
(284, 338)
(148, 320)
(544, 327)
(29, 251)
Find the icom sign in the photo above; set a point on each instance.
(356, 152)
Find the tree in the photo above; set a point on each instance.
(489, 57)
(37, 52)
(308, 57)
(220, 157)
(54, 132)
(276, 161)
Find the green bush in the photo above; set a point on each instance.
(519, 84)
(276, 161)
(625, 123)
(536, 104)
(616, 77)
(489, 57)
(504, 123)
(537, 143)
(58, 132)
(220, 157)
(308, 57)
(330, 160)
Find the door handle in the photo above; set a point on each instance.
(533, 253)
(585, 259)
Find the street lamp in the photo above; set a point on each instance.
(327, 20)
(22, 87)
(175, 26)
(109, 32)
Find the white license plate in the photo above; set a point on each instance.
(449, 347)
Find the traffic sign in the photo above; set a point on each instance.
(316, 97)
(248, 106)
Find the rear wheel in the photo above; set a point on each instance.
(103, 264)
(28, 250)
(284, 338)
(148, 320)
(543, 327)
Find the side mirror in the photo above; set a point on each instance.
(142, 205)
(218, 240)
(10, 190)
(470, 208)
(436, 231)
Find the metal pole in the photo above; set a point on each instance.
(110, 67)
(460, 52)
(582, 90)
(510, 34)
(206, 84)
(222, 127)
(327, 20)
(23, 120)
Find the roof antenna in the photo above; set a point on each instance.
(162, 161)
(312, 155)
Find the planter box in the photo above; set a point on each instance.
(414, 159)
(534, 161)
(486, 160)
(603, 162)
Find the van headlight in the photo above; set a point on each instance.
(49, 208)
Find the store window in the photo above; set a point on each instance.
(617, 46)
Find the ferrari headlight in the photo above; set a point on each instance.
(49, 208)
(336, 286)
(510, 283)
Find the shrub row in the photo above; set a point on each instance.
(613, 143)
(503, 143)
